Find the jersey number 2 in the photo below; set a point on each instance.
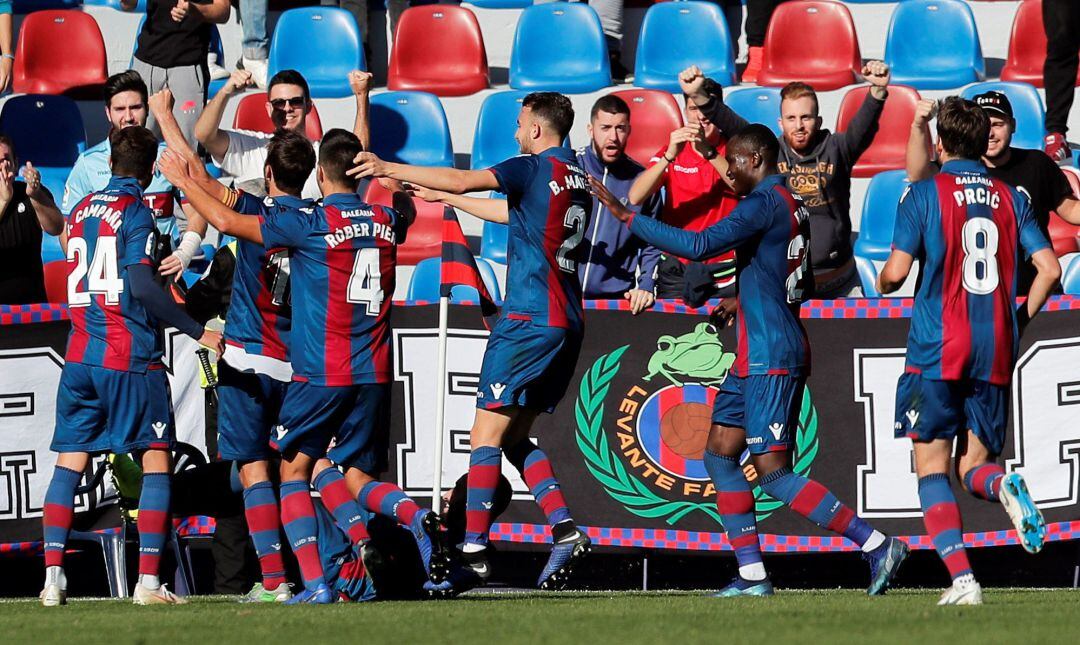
(575, 221)
(101, 272)
(980, 274)
(365, 283)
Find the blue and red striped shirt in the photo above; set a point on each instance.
(344, 254)
(966, 229)
(770, 233)
(108, 231)
(549, 201)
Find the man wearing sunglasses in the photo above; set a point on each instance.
(242, 153)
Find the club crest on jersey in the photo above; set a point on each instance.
(642, 425)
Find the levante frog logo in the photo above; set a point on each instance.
(644, 442)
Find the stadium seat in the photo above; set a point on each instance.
(879, 215)
(757, 105)
(426, 280)
(494, 237)
(53, 149)
(1027, 108)
(501, 4)
(889, 147)
(559, 47)
(1070, 279)
(251, 115)
(424, 239)
(1027, 46)
(1065, 236)
(51, 251)
(438, 49)
(216, 47)
(329, 48)
(26, 6)
(813, 42)
(675, 35)
(411, 127)
(60, 52)
(934, 45)
(653, 116)
(493, 138)
(115, 4)
(56, 282)
(867, 277)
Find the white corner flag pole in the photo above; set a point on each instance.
(440, 405)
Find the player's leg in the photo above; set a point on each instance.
(264, 526)
(56, 518)
(154, 520)
(342, 504)
(770, 426)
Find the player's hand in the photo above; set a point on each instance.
(700, 143)
(7, 180)
(238, 80)
(213, 340)
(161, 102)
(876, 73)
(640, 300)
(692, 81)
(679, 138)
(360, 82)
(611, 202)
(180, 11)
(368, 164)
(925, 111)
(172, 265)
(427, 194)
(33, 181)
(6, 67)
(724, 313)
(174, 166)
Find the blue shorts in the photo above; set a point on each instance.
(527, 365)
(927, 409)
(104, 410)
(356, 417)
(766, 407)
(248, 409)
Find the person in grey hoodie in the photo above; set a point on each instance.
(817, 164)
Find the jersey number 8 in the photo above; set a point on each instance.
(980, 274)
(101, 272)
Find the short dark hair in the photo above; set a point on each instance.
(128, 81)
(336, 153)
(553, 108)
(757, 138)
(134, 151)
(289, 77)
(291, 157)
(710, 87)
(963, 128)
(611, 104)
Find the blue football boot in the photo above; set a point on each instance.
(1026, 517)
(884, 562)
(740, 586)
(565, 554)
(320, 595)
(427, 531)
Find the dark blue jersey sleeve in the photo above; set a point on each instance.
(137, 236)
(159, 303)
(908, 230)
(1031, 237)
(286, 229)
(514, 174)
(749, 218)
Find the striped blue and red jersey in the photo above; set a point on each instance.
(260, 317)
(966, 229)
(770, 233)
(109, 231)
(344, 254)
(549, 202)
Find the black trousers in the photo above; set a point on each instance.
(758, 14)
(1061, 18)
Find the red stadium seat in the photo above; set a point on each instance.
(56, 274)
(1027, 46)
(425, 235)
(251, 115)
(889, 146)
(60, 52)
(813, 42)
(438, 49)
(653, 115)
(1065, 236)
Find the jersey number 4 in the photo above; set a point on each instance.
(365, 283)
(101, 272)
(980, 274)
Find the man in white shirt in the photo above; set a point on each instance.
(242, 153)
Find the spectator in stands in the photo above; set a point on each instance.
(818, 166)
(1061, 20)
(125, 106)
(1029, 171)
(618, 265)
(26, 209)
(242, 153)
(256, 53)
(758, 15)
(171, 52)
(696, 196)
(7, 45)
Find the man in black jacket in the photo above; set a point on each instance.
(817, 164)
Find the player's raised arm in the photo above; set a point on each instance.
(177, 170)
(895, 271)
(449, 180)
(917, 158)
(491, 210)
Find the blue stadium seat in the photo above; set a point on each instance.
(1027, 108)
(330, 49)
(1070, 280)
(879, 215)
(675, 35)
(50, 249)
(494, 237)
(501, 4)
(867, 276)
(26, 6)
(217, 48)
(493, 139)
(425, 282)
(52, 150)
(559, 47)
(115, 4)
(411, 127)
(757, 105)
(934, 45)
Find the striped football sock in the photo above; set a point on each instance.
(153, 521)
(735, 502)
(59, 508)
(814, 502)
(264, 525)
(484, 465)
(942, 518)
(985, 481)
(387, 499)
(298, 518)
(535, 468)
(339, 501)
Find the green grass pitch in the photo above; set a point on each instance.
(1008, 616)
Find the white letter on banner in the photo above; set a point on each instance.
(886, 483)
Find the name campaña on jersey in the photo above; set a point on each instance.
(576, 180)
(360, 229)
(98, 207)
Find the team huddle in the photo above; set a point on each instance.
(305, 355)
